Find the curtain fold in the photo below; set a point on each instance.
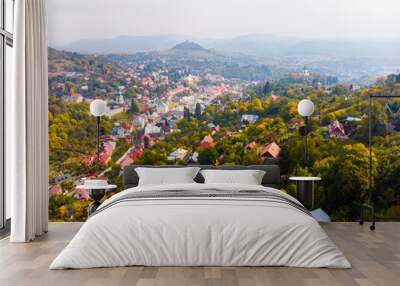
(27, 124)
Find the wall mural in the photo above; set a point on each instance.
(199, 82)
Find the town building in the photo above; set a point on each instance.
(55, 190)
(271, 151)
(74, 98)
(250, 146)
(178, 154)
(336, 130)
(207, 142)
(249, 118)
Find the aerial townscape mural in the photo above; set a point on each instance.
(188, 95)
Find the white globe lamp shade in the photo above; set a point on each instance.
(305, 107)
(98, 107)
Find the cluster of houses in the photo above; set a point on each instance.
(106, 151)
(114, 106)
(342, 130)
(122, 129)
(132, 155)
(160, 110)
(74, 98)
(268, 152)
(162, 99)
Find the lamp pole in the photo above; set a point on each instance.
(306, 141)
(305, 109)
(98, 138)
(98, 108)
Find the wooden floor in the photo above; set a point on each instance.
(375, 257)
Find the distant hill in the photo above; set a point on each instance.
(253, 45)
(188, 46)
(256, 45)
(190, 50)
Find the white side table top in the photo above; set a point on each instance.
(305, 178)
(106, 187)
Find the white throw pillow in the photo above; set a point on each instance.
(166, 176)
(248, 177)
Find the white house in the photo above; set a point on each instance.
(139, 122)
(152, 129)
(249, 118)
(178, 154)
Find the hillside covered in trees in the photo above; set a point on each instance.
(342, 162)
(171, 116)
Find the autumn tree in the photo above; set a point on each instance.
(345, 179)
(208, 156)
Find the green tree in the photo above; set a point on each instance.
(208, 156)
(256, 105)
(186, 113)
(130, 93)
(152, 156)
(198, 112)
(345, 179)
(135, 106)
(267, 88)
(252, 157)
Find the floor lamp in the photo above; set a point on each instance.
(305, 109)
(369, 204)
(98, 109)
(97, 188)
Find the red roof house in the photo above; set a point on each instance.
(80, 194)
(207, 142)
(132, 156)
(75, 97)
(273, 97)
(271, 150)
(127, 161)
(54, 190)
(250, 146)
(89, 160)
(215, 129)
(336, 129)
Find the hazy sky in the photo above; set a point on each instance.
(71, 20)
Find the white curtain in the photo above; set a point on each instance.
(27, 124)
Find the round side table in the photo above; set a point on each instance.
(96, 193)
(306, 194)
(305, 190)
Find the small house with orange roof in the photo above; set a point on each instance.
(250, 146)
(271, 151)
(215, 129)
(55, 190)
(274, 97)
(207, 142)
(80, 194)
